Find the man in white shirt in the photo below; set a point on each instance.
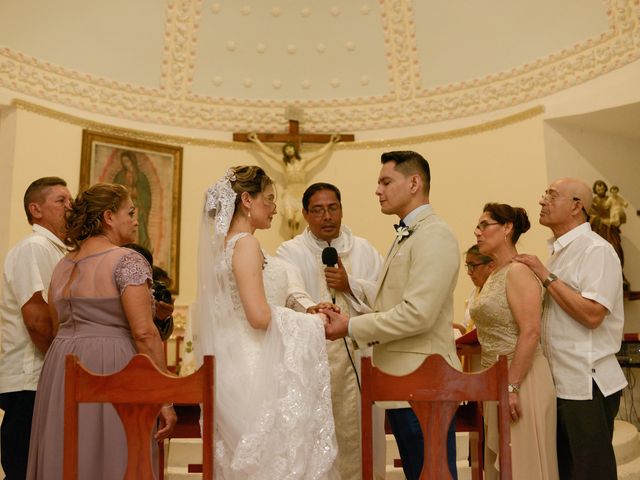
(582, 323)
(26, 326)
(349, 283)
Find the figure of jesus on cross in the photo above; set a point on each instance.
(294, 166)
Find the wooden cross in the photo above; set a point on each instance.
(293, 136)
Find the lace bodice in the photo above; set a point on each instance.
(275, 281)
(87, 292)
(102, 275)
(497, 329)
(274, 276)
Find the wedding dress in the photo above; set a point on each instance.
(272, 394)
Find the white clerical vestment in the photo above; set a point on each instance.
(308, 287)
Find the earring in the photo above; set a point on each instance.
(249, 214)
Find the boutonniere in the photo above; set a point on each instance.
(403, 232)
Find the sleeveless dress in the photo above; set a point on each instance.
(94, 327)
(273, 398)
(533, 436)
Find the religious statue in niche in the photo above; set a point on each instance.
(606, 215)
(294, 168)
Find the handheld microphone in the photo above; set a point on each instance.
(330, 259)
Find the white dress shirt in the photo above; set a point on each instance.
(588, 264)
(27, 269)
(410, 218)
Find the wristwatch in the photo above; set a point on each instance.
(513, 388)
(549, 280)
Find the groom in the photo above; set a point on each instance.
(413, 309)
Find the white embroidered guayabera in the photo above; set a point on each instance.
(273, 399)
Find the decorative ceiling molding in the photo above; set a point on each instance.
(400, 39)
(406, 103)
(181, 38)
(184, 140)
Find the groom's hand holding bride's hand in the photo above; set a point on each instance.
(337, 326)
(322, 306)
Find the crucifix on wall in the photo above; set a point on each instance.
(295, 167)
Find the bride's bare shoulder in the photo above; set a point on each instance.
(246, 245)
(247, 240)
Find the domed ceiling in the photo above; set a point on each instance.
(229, 65)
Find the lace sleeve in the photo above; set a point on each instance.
(132, 269)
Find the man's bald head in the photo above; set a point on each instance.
(565, 205)
(572, 187)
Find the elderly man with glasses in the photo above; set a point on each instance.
(347, 283)
(582, 330)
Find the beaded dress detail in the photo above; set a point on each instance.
(497, 329)
(533, 436)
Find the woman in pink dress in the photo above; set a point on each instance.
(101, 303)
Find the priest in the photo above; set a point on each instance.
(329, 265)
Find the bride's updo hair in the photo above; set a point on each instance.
(86, 215)
(503, 213)
(250, 179)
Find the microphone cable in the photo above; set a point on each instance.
(355, 370)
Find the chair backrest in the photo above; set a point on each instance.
(434, 391)
(137, 393)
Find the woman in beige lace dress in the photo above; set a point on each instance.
(508, 315)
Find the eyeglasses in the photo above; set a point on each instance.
(550, 197)
(319, 211)
(482, 226)
(472, 266)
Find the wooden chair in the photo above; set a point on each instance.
(137, 392)
(469, 416)
(434, 391)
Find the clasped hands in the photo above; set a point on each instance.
(336, 325)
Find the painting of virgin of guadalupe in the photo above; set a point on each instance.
(152, 174)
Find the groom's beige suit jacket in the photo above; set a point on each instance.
(414, 302)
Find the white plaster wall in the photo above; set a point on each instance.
(7, 146)
(42, 147)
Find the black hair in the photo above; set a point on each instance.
(317, 187)
(409, 163)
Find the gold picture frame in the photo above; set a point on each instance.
(153, 174)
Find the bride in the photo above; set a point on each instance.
(273, 399)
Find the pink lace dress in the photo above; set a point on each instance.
(86, 295)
